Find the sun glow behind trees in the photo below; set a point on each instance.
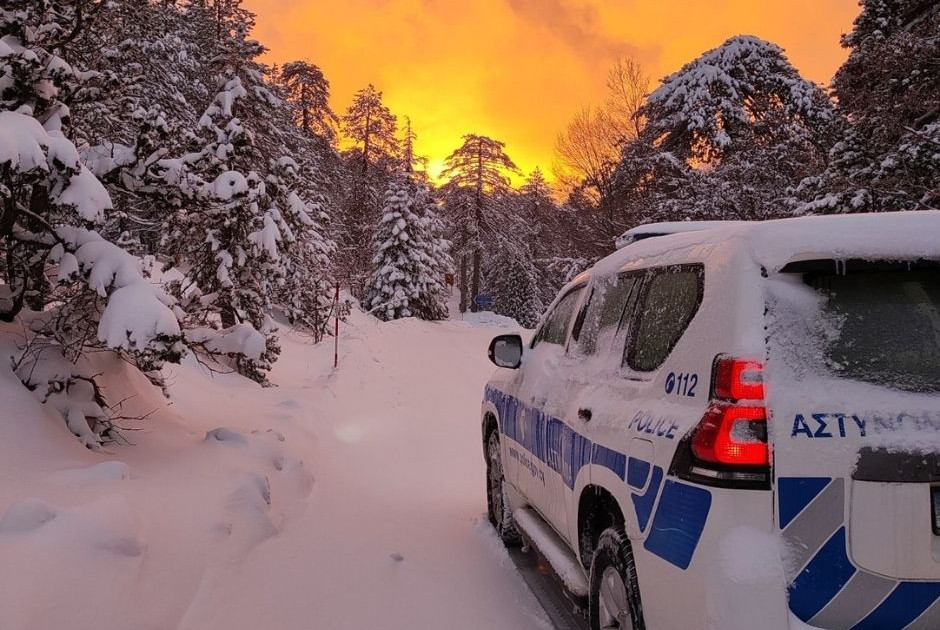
(519, 70)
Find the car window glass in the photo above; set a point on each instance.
(555, 328)
(671, 300)
(605, 312)
(582, 313)
(886, 327)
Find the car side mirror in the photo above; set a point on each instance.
(506, 351)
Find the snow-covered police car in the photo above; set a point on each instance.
(734, 428)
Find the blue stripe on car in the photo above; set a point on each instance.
(907, 602)
(679, 523)
(643, 503)
(680, 517)
(795, 493)
(830, 569)
(821, 579)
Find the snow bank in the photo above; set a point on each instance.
(140, 527)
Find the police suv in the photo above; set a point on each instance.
(734, 427)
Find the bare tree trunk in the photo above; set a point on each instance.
(478, 231)
(475, 287)
(305, 109)
(365, 142)
(463, 283)
(227, 314)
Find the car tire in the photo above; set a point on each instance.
(497, 503)
(614, 591)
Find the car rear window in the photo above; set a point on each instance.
(886, 325)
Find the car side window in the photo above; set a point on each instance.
(555, 328)
(582, 312)
(605, 313)
(670, 300)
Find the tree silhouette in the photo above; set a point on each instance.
(371, 124)
(477, 178)
(309, 92)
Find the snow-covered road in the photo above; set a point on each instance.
(393, 536)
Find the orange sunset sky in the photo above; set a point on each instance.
(517, 70)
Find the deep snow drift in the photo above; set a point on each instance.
(352, 499)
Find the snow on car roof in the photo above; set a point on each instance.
(665, 228)
(773, 244)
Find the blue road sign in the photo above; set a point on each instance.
(483, 301)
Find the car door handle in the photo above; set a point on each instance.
(585, 415)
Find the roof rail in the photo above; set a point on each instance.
(652, 230)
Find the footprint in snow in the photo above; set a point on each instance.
(26, 515)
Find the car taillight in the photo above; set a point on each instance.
(732, 434)
(729, 445)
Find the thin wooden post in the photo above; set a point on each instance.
(336, 332)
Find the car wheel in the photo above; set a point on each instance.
(497, 503)
(614, 595)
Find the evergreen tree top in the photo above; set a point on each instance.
(308, 90)
(480, 163)
(881, 18)
(741, 92)
(372, 125)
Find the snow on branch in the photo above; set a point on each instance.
(26, 148)
(138, 316)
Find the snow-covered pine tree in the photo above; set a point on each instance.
(100, 299)
(888, 91)
(436, 262)
(513, 282)
(397, 264)
(537, 209)
(743, 93)
(232, 243)
(412, 162)
(305, 294)
(744, 117)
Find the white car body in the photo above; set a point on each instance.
(826, 536)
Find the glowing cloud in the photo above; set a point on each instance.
(517, 70)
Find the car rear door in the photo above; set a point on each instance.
(853, 388)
